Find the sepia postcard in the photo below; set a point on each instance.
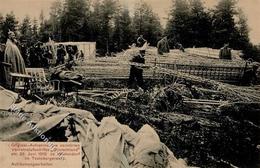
(129, 83)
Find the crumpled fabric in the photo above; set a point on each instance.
(7, 98)
(104, 144)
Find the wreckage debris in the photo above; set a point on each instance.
(210, 123)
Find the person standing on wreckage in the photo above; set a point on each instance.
(141, 43)
(225, 52)
(163, 46)
(135, 80)
(12, 56)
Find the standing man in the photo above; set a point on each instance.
(140, 41)
(35, 55)
(225, 52)
(136, 72)
(142, 44)
(61, 53)
(71, 53)
(163, 46)
(12, 56)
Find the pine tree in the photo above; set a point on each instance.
(1, 28)
(108, 11)
(178, 28)
(73, 20)
(45, 29)
(223, 23)
(241, 33)
(55, 19)
(95, 22)
(35, 35)
(10, 23)
(41, 18)
(122, 32)
(200, 25)
(26, 31)
(146, 23)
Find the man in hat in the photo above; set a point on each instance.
(61, 53)
(35, 55)
(225, 52)
(12, 56)
(163, 46)
(136, 72)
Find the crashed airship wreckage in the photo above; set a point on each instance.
(188, 114)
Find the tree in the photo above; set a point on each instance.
(41, 18)
(73, 20)
(45, 29)
(241, 33)
(223, 23)
(55, 19)
(242, 38)
(200, 25)
(178, 28)
(108, 9)
(122, 32)
(1, 28)
(26, 31)
(147, 23)
(10, 23)
(95, 22)
(35, 35)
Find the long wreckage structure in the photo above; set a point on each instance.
(193, 107)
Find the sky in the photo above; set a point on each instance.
(33, 8)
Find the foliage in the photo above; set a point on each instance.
(2, 19)
(200, 24)
(113, 28)
(73, 19)
(146, 23)
(55, 19)
(108, 9)
(223, 23)
(26, 31)
(9, 23)
(178, 28)
(122, 35)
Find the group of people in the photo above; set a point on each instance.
(38, 56)
(72, 52)
(136, 70)
(14, 57)
(163, 47)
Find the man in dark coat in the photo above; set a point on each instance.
(140, 41)
(35, 55)
(61, 53)
(71, 53)
(136, 72)
(225, 52)
(163, 46)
